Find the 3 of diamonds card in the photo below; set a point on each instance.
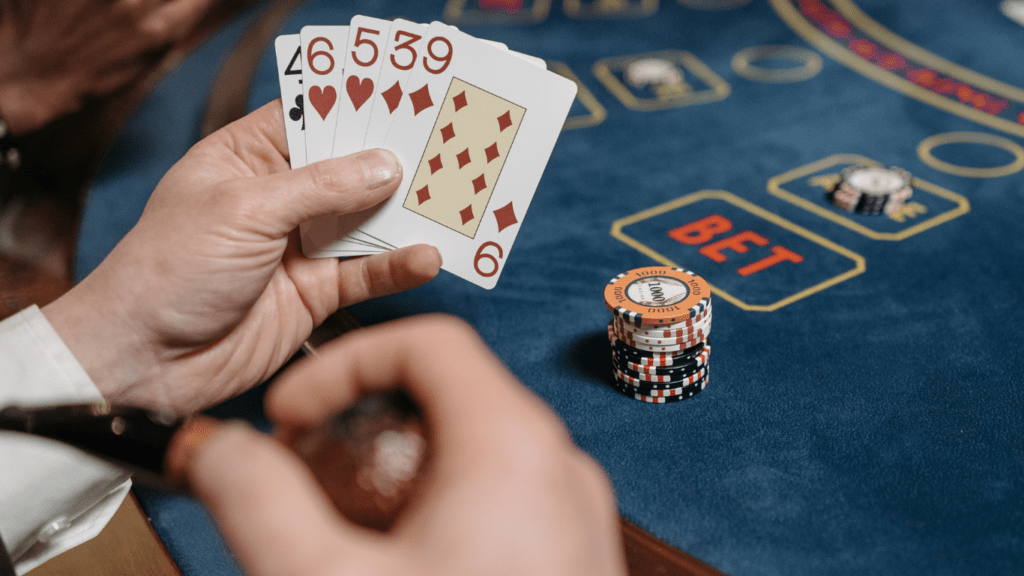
(474, 132)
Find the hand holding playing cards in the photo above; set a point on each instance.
(56, 53)
(506, 491)
(208, 295)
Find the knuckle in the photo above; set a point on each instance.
(323, 178)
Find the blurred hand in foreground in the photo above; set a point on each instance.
(505, 491)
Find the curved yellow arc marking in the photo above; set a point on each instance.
(862, 21)
(713, 4)
(809, 32)
(924, 151)
(809, 61)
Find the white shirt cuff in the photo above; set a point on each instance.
(52, 497)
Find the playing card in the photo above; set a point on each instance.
(289, 73)
(323, 61)
(473, 132)
(538, 62)
(400, 56)
(363, 60)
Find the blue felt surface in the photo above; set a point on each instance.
(871, 427)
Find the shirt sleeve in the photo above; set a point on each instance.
(52, 497)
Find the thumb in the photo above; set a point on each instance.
(330, 187)
(268, 506)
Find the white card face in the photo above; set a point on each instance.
(324, 238)
(363, 58)
(323, 61)
(494, 43)
(400, 55)
(538, 62)
(289, 74)
(474, 133)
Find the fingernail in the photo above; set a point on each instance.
(185, 443)
(380, 167)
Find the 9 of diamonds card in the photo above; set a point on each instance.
(474, 133)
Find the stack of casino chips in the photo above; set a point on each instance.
(659, 333)
(872, 190)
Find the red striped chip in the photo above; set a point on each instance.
(664, 331)
(691, 339)
(691, 364)
(663, 349)
(657, 295)
(642, 381)
(688, 323)
(675, 380)
(660, 348)
(655, 354)
(679, 379)
(700, 360)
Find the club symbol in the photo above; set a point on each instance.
(296, 112)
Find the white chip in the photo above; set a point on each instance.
(657, 71)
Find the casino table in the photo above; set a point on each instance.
(864, 408)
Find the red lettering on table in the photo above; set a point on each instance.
(702, 231)
(779, 254)
(736, 243)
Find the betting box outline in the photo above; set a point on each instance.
(860, 264)
(639, 9)
(455, 12)
(597, 112)
(775, 189)
(718, 89)
(713, 4)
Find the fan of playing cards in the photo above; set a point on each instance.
(472, 122)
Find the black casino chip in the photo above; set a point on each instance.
(661, 381)
(631, 366)
(871, 189)
(648, 389)
(658, 377)
(632, 393)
